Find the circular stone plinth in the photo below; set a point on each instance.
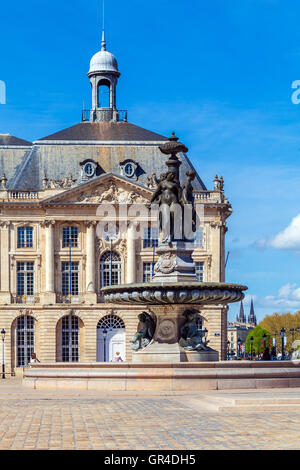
(175, 293)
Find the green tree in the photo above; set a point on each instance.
(258, 340)
(274, 323)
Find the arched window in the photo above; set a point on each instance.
(110, 321)
(110, 269)
(70, 338)
(104, 94)
(25, 340)
(111, 339)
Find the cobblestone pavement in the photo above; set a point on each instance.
(32, 419)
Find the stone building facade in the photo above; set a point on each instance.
(53, 264)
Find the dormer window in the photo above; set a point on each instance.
(89, 169)
(129, 169)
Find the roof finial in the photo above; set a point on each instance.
(103, 43)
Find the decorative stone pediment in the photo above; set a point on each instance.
(107, 189)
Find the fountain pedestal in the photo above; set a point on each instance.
(165, 347)
(164, 353)
(175, 263)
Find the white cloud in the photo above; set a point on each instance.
(289, 238)
(288, 297)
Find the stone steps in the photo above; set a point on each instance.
(222, 404)
(259, 408)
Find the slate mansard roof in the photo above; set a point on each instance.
(108, 144)
(7, 140)
(105, 131)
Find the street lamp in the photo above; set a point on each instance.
(264, 339)
(228, 344)
(282, 333)
(104, 337)
(293, 331)
(3, 333)
(251, 347)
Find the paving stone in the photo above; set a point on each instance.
(60, 420)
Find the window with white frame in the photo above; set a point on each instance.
(70, 233)
(147, 272)
(25, 340)
(198, 239)
(70, 339)
(110, 269)
(25, 237)
(150, 237)
(25, 278)
(200, 271)
(70, 277)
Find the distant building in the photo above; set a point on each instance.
(236, 332)
(240, 330)
(54, 264)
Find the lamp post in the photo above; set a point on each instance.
(282, 333)
(3, 333)
(264, 339)
(228, 344)
(251, 347)
(293, 331)
(104, 337)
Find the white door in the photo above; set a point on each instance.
(114, 342)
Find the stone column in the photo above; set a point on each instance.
(5, 295)
(49, 295)
(217, 232)
(131, 255)
(90, 293)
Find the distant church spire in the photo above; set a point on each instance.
(252, 317)
(241, 318)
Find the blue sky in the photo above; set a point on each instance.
(219, 73)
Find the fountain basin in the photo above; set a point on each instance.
(159, 293)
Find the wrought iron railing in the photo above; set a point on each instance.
(69, 299)
(26, 299)
(108, 114)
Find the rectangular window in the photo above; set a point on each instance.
(70, 233)
(150, 237)
(70, 339)
(65, 270)
(147, 272)
(25, 278)
(198, 240)
(25, 237)
(200, 271)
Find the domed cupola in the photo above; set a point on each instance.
(103, 75)
(103, 61)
